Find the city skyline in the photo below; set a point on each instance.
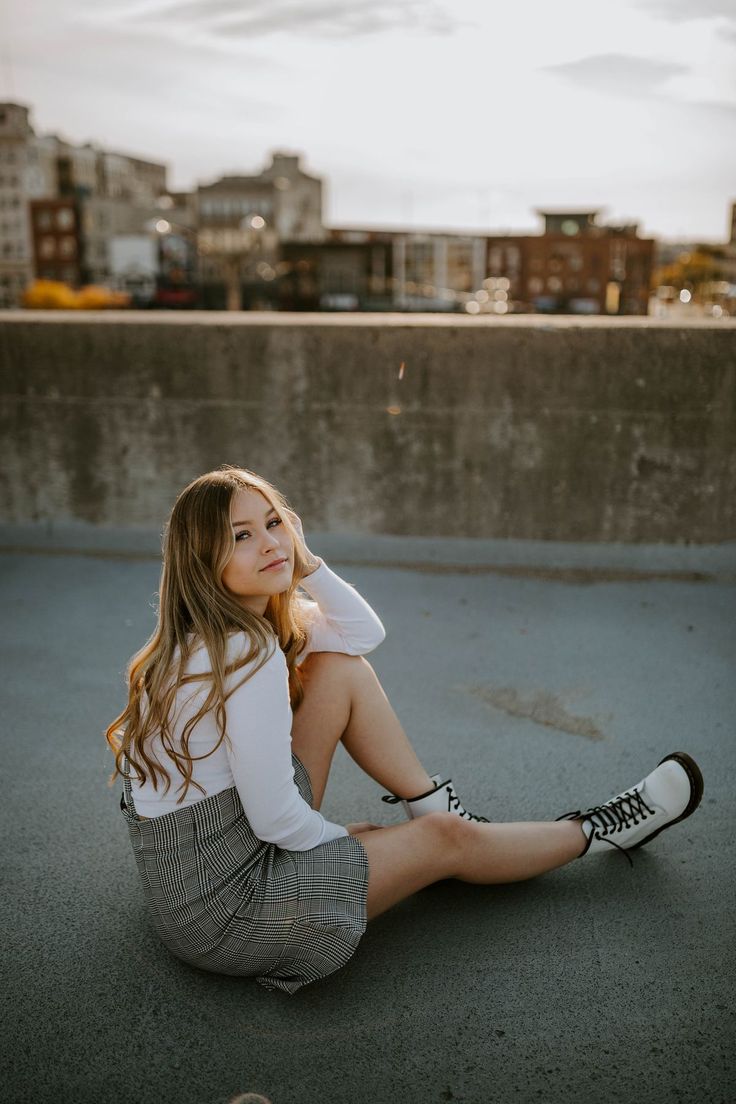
(534, 108)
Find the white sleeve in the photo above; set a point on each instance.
(259, 719)
(340, 620)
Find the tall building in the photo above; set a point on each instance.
(287, 198)
(61, 203)
(22, 177)
(241, 222)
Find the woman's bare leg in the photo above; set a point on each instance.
(343, 700)
(405, 858)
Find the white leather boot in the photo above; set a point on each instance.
(671, 792)
(442, 799)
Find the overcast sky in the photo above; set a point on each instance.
(445, 114)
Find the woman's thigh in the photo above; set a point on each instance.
(322, 717)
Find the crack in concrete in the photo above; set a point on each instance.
(543, 707)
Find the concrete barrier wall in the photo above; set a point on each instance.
(524, 427)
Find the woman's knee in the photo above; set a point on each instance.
(333, 665)
(448, 833)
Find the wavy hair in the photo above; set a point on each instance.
(195, 608)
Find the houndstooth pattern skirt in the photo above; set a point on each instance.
(225, 901)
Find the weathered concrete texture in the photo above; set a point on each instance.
(551, 429)
(597, 981)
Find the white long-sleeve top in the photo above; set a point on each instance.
(258, 725)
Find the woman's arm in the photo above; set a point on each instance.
(340, 620)
(259, 722)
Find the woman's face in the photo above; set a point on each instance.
(261, 539)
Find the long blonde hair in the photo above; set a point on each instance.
(195, 608)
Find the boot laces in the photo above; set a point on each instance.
(454, 806)
(624, 811)
(619, 813)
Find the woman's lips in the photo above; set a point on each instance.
(275, 566)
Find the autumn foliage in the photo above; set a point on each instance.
(53, 295)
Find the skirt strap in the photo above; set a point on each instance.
(128, 790)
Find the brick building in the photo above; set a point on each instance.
(56, 240)
(576, 266)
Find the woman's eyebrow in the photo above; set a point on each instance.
(236, 523)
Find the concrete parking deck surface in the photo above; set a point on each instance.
(537, 693)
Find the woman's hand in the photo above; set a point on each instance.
(311, 562)
(362, 826)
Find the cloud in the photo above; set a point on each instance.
(621, 74)
(684, 11)
(715, 108)
(680, 11)
(634, 77)
(315, 18)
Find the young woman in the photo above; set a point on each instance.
(235, 707)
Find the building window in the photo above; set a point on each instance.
(67, 247)
(554, 283)
(43, 220)
(65, 218)
(420, 262)
(535, 285)
(460, 266)
(47, 247)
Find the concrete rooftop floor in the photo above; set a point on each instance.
(538, 690)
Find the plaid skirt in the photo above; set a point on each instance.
(223, 900)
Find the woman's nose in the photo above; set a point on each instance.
(269, 541)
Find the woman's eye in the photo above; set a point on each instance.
(275, 521)
(239, 536)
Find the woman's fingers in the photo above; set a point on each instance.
(296, 522)
(312, 561)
